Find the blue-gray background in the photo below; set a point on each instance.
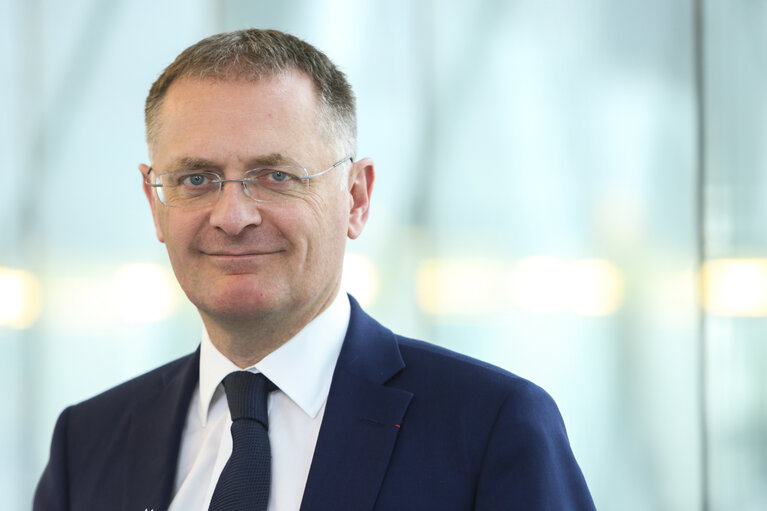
(548, 181)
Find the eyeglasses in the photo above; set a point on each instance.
(199, 188)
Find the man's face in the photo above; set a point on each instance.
(241, 259)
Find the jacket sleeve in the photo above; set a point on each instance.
(52, 492)
(528, 463)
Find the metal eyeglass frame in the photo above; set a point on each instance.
(246, 181)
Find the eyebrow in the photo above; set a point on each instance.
(195, 163)
(192, 163)
(271, 159)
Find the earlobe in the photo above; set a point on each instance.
(361, 179)
(151, 197)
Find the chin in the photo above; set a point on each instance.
(238, 311)
(238, 301)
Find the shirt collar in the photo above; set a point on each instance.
(302, 368)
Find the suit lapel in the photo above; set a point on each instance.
(361, 421)
(155, 437)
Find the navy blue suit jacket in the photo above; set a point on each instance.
(407, 426)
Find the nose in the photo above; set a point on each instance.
(234, 211)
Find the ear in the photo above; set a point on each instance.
(152, 198)
(361, 178)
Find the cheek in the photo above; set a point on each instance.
(330, 222)
(319, 227)
(178, 232)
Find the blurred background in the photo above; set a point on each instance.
(571, 189)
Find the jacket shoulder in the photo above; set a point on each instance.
(505, 433)
(95, 442)
(456, 387)
(449, 367)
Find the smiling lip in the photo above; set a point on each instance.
(242, 254)
(241, 263)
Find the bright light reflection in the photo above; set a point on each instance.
(427, 286)
(20, 298)
(538, 284)
(735, 287)
(458, 287)
(544, 284)
(595, 287)
(360, 278)
(144, 293)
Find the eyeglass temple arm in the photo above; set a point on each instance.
(336, 164)
(149, 183)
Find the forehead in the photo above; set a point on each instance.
(225, 119)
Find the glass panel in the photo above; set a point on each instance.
(736, 246)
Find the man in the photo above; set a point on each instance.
(254, 189)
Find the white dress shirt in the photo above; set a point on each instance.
(302, 370)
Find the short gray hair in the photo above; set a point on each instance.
(253, 54)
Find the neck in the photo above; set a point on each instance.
(246, 341)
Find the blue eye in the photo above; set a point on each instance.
(195, 180)
(279, 176)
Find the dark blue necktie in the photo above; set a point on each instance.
(244, 482)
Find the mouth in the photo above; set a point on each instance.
(241, 254)
(244, 254)
(241, 262)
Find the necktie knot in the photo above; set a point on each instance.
(247, 394)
